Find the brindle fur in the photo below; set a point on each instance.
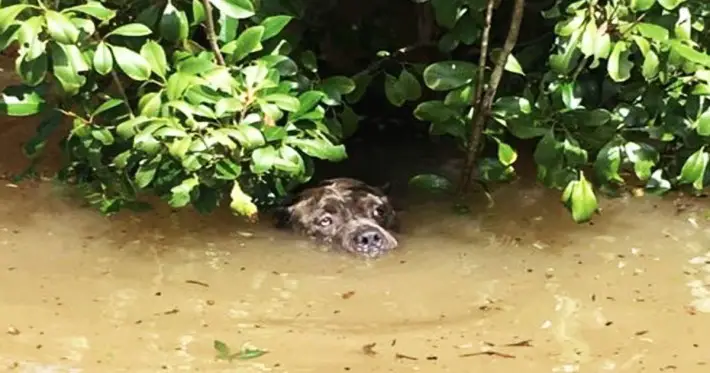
(352, 207)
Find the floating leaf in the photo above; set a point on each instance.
(431, 182)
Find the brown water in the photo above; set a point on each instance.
(515, 287)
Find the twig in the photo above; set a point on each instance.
(489, 353)
(122, 92)
(484, 105)
(211, 33)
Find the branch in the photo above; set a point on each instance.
(483, 104)
(122, 91)
(211, 35)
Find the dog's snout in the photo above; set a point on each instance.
(369, 240)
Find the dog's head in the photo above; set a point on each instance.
(345, 213)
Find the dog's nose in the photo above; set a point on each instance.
(370, 240)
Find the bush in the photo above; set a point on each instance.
(153, 110)
(167, 98)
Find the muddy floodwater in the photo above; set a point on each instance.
(516, 287)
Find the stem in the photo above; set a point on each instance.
(475, 136)
(121, 91)
(485, 103)
(211, 35)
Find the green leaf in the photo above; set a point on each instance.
(241, 204)
(61, 28)
(308, 60)
(94, 9)
(547, 152)
(103, 135)
(247, 42)
(128, 128)
(670, 4)
(51, 120)
(180, 195)
(650, 66)
(335, 87)
(573, 152)
(568, 96)
(263, 159)
(657, 184)
(132, 63)
(506, 154)
(154, 54)
(8, 15)
(448, 75)
(174, 25)
(103, 59)
(409, 86)
(702, 125)
(582, 199)
(149, 104)
(226, 169)
(273, 25)
(341, 84)
(431, 183)
(68, 62)
(284, 101)
(308, 100)
(393, 92)
(690, 54)
(433, 111)
(445, 12)
(34, 71)
(198, 12)
(619, 66)
(608, 161)
(588, 45)
(180, 147)
(643, 156)
(512, 65)
(653, 31)
(238, 9)
(228, 28)
(319, 148)
(106, 106)
(642, 5)
(21, 101)
(146, 172)
(131, 29)
(693, 170)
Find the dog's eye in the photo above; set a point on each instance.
(379, 211)
(325, 221)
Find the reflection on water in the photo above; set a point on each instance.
(514, 287)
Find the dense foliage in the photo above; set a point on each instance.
(203, 99)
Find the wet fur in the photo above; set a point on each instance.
(348, 199)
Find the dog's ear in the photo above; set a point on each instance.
(282, 216)
(386, 188)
